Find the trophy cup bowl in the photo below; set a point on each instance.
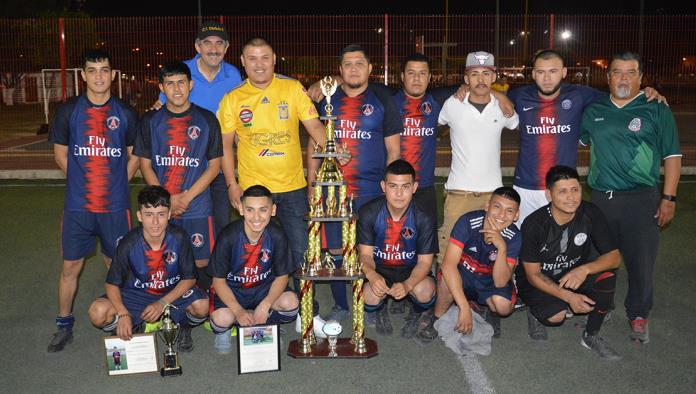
(169, 332)
(332, 329)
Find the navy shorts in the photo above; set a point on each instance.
(332, 231)
(137, 300)
(201, 233)
(79, 229)
(480, 288)
(249, 299)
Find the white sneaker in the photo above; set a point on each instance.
(318, 326)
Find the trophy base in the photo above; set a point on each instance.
(344, 349)
(170, 371)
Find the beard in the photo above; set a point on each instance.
(549, 92)
(622, 92)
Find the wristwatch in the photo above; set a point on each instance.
(669, 197)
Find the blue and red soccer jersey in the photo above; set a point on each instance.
(362, 124)
(97, 137)
(248, 266)
(478, 257)
(179, 146)
(136, 266)
(396, 242)
(549, 130)
(419, 131)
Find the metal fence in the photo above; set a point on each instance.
(307, 47)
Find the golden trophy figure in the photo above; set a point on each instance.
(332, 208)
(168, 333)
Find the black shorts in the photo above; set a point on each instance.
(396, 273)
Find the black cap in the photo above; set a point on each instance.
(211, 28)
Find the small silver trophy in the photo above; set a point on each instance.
(169, 332)
(332, 329)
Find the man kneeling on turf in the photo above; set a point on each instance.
(250, 267)
(153, 267)
(558, 274)
(396, 243)
(478, 265)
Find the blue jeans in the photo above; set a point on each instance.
(291, 208)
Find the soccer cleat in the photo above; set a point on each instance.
(61, 338)
(184, 342)
(535, 329)
(223, 343)
(338, 314)
(153, 327)
(426, 327)
(410, 329)
(519, 305)
(397, 307)
(318, 324)
(597, 343)
(383, 322)
(639, 330)
(370, 319)
(491, 318)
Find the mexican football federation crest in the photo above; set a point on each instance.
(634, 125)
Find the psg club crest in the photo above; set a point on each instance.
(580, 239)
(197, 240)
(634, 125)
(407, 232)
(566, 104)
(426, 108)
(246, 116)
(169, 256)
(265, 255)
(112, 122)
(193, 132)
(367, 109)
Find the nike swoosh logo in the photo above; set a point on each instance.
(525, 109)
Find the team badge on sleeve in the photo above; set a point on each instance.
(197, 240)
(112, 122)
(634, 125)
(566, 104)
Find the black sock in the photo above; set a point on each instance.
(603, 296)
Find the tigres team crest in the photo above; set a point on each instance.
(634, 125)
(169, 256)
(112, 122)
(407, 232)
(194, 132)
(367, 109)
(197, 240)
(283, 113)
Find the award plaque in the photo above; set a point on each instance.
(258, 349)
(336, 207)
(136, 356)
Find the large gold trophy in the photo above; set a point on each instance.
(315, 267)
(168, 333)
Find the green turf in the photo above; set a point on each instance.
(29, 257)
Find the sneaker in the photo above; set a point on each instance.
(582, 323)
(184, 342)
(397, 307)
(569, 314)
(410, 329)
(426, 327)
(338, 314)
(223, 343)
(639, 330)
(491, 318)
(383, 323)
(61, 338)
(370, 319)
(597, 343)
(318, 326)
(519, 305)
(536, 330)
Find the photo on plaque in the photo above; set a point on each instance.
(139, 355)
(258, 349)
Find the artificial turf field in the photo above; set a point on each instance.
(30, 261)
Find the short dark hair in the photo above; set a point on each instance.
(95, 55)
(626, 56)
(417, 57)
(557, 173)
(400, 167)
(256, 42)
(353, 48)
(154, 196)
(257, 191)
(547, 54)
(507, 192)
(174, 68)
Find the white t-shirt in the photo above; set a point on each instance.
(475, 138)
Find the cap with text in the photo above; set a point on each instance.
(480, 59)
(211, 28)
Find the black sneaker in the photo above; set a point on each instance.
(410, 329)
(597, 343)
(536, 330)
(184, 342)
(397, 307)
(519, 305)
(491, 318)
(383, 323)
(426, 327)
(61, 338)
